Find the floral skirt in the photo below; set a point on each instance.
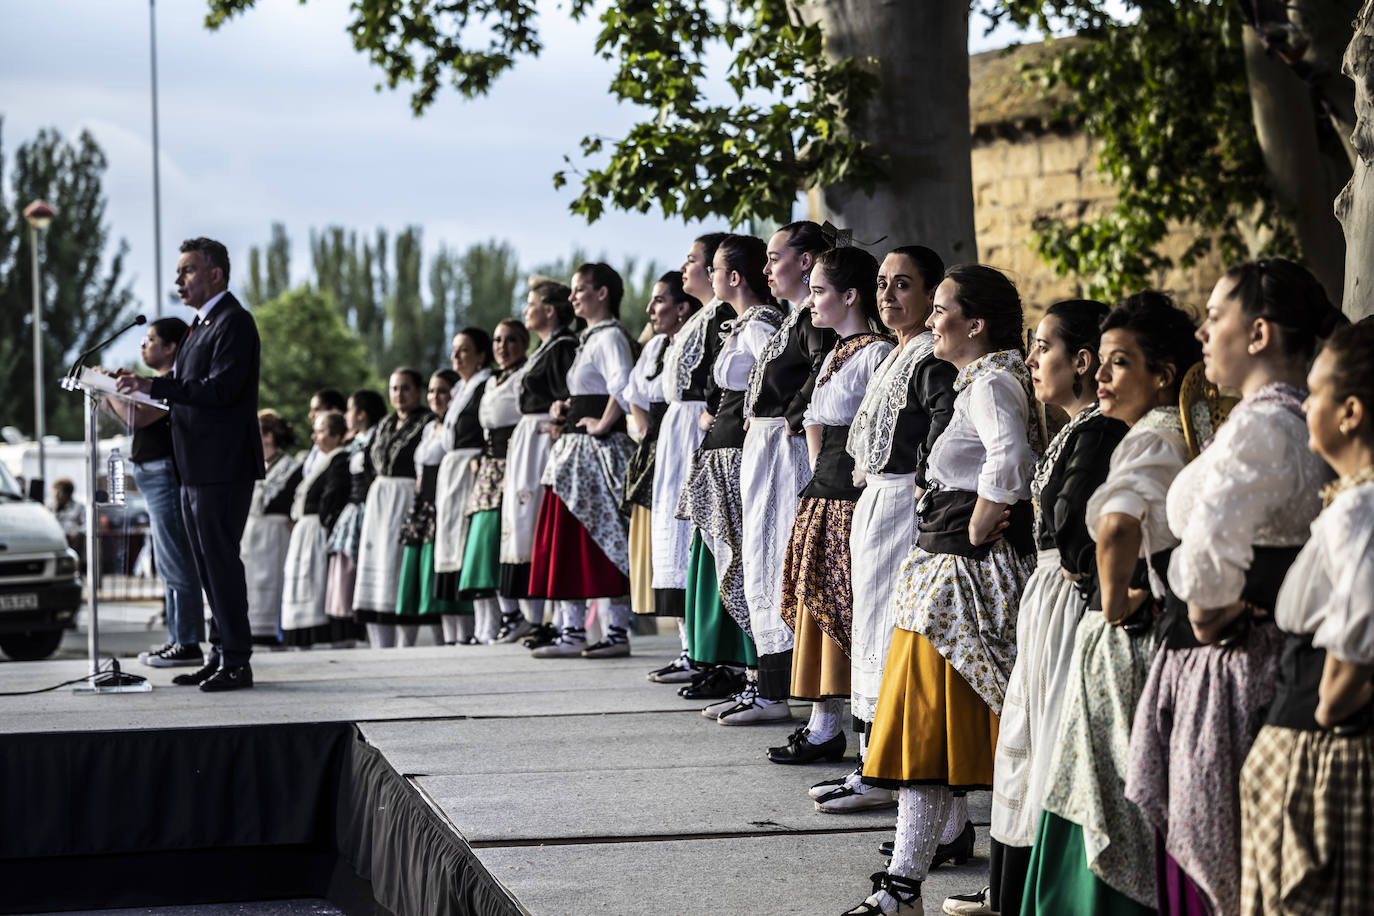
(817, 598)
(711, 499)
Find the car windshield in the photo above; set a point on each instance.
(9, 487)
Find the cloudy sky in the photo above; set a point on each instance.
(275, 117)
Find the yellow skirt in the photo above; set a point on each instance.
(931, 727)
(641, 560)
(820, 668)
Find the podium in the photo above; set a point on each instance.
(98, 391)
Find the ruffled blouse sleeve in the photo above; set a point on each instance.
(1142, 468)
(999, 411)
(1346, 620)
(836, 402)
(638, 390)
(1252, 472)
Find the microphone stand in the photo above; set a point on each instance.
(76, 366)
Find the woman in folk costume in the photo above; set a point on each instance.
(717, 614)
(389, 497)
(669, 309)
(1241, 510)
(365, 410)
(1063, 362)
(267, 533)
(953, 641)
(581, 544)
(472, 359)
(1305, 789)
(549, 314)
(1094, 850)
(775, 467)
(817, 598)
(687, 387)
(498, 413)
(909, 402)
(319, 499)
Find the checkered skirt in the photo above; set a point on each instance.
(1307, 824)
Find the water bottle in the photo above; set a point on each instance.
(116, 478)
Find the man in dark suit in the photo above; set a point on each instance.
(213, 393)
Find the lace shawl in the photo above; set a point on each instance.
(684, 353)
(1045, 467)
(870, 435)
(771, 350)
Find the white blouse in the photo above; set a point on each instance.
(1329, 591)
(500, 406)
(430, 451)
(1256, 485)
(1142, 467)
(986, 447)
(743, 343)
(837, 401)
(641, 391)
(603, 363)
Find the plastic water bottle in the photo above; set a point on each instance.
(116, 478)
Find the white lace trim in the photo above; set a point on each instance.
(871, 432)
(775, 345)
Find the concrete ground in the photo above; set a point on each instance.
(582, 787)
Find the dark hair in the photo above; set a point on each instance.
(214, 253)
(988, 294)
(673, 280)
(331, 399)
(748, 255)
(1164, 332)
(856, 269)
(551, 292)
(415, 377)
(518, 327)
(481, 340)
(928, 264)
(334, 423)
(1287, 295)
(710, 242)
(448, 375)
(169, 330)
(805, 236)
(371, 403)
(604, 275)
(1351, 352)
(281, 430)
(1080, 323)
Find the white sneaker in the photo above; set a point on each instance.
(562, 647)
(826, 786)
(979, 904)
(863, 798)
(755, 713)
(715, 709)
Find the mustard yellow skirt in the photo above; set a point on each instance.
(820, 668)
(931, 727)
(641, 560)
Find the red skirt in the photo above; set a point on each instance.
(567, 563)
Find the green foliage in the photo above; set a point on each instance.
(305, 347)
(278, 258)
(85, 298)
(487, 277)
(1167, 98)
(784, 131)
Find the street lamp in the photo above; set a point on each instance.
(39, 214)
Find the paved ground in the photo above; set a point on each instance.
(583, 787)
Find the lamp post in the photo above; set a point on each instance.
(39, 214)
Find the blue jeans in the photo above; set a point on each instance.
(157, 481)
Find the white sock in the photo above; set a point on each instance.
(381, 635)
(510, 610)
(572, 614)
(533, 609)
(617, 612)
(825, 720)
(682, 633)
(921, 815)
(958, 817)
(488, 612)
(450, 629)
(407, 635)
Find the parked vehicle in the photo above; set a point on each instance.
(40, 582)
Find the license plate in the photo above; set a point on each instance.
(23, 602)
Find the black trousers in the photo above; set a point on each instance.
(215, 515)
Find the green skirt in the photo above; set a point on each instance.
(713, 637)
(481, 574)
(415, 593)
(1059, 881)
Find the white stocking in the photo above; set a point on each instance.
(958, 816)
(825, 720)
(488, 613)
(407, 635)
(682, 633)
(450, 629)
(381, 635)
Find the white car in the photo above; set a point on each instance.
(40, 584)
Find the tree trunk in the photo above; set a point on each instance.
(918, 119)
(1303, 178)
(1355, 205)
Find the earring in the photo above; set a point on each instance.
(806, 279)
(1345, 430)
(1161, 384)
(1252, 349)
(970, 335)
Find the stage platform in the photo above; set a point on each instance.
(575, 784)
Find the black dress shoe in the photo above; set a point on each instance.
(200, 675)
(959, 851)
(799, 750)
(235, 677)
(715, 683)
(542, 635)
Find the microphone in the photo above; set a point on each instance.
(76, 366)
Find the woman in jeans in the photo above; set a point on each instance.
(156, 477)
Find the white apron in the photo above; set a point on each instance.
(307, 565)
(379, 553)
(678, 438)
(451, 498)
(775, 468)
(263, 548)
(521, 493)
